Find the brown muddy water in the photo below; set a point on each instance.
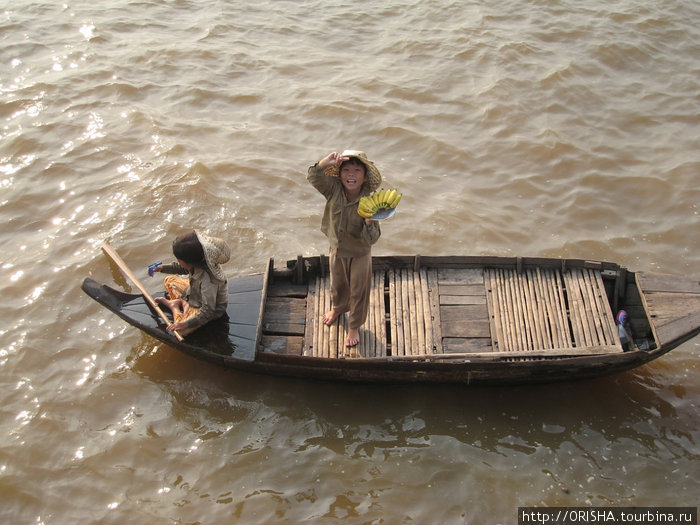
(533, 128)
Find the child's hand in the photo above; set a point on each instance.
(155, 267)
(334, 158)
(177, 327)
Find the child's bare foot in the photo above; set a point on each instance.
(353, 337)
(330, 317)
(174, 305)
(162, 301)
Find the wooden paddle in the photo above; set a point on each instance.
(124, 268)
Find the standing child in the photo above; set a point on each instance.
(203, 295)
(343, 179)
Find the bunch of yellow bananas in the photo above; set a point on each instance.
(370, 204)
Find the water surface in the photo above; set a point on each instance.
(531, 128)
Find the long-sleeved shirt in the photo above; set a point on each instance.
(346, 230)
(205, 292)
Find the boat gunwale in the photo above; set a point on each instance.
(319, 263)
(448, 359)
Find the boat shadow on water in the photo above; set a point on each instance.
(490, 417)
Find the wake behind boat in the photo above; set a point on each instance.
(457, 319)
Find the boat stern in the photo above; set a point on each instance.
(672, 304)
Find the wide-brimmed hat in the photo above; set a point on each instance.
(216, 253)
(372, 176)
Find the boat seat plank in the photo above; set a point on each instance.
(371, 334)
(460, 276)
(655, 282)
(286, 316)
(282, 344)
(290, 308)
(556, 291)
(447, 300)
(611, 336)
(665, 307)
(678, 329)
(459, 328)
(672, 304)
(468, 313)
(475, 290)
(594, 310)
(468, 345)
(283, 327)
(288, 289)
(462, 310)
(321, 332)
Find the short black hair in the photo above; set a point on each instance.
(187, 247)
(353, 160)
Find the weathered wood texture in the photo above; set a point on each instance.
(673, 304)
(464, 319)
(549, 309)
(284, 320)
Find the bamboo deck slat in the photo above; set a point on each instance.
(403, 317)
(429, 311)
(329, 341)
(434, 305)
(540, 310)
(412, 312)
(395, 319)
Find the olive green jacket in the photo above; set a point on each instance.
(346, 230)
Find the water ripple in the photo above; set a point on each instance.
(518, 128)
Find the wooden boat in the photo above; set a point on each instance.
(476, 320)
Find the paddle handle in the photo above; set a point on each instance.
(111, 252)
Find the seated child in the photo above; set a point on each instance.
(202, 296)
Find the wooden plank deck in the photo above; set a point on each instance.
(673, 304)
(468, 311)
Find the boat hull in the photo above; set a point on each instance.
(272, 323)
